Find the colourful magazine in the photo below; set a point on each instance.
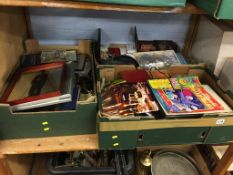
(187, 96)
(185, 82)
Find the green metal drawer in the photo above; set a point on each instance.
(172, 136)
(220, 9)
(118, 140)
(133, 139)
(220, 135)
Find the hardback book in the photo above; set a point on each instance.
(186, 95)
(39, 86)
(128, 99)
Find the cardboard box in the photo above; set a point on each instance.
(45, 124)
(140, 132)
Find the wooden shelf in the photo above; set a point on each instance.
(49, 144)
(189, 8)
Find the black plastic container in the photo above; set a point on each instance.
(56, 166)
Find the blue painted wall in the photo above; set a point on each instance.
(65, 26)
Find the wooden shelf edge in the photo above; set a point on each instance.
(200, 161)
(49, 144)
(189, 8)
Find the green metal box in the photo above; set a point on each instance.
(132, 133)
(220, 9)
(165, 3)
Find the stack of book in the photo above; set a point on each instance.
(45, 80)
(182, 96)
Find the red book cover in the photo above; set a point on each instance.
(34, 83)
(134, 76)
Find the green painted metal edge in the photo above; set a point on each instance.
(160, 3)
(225, 11)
